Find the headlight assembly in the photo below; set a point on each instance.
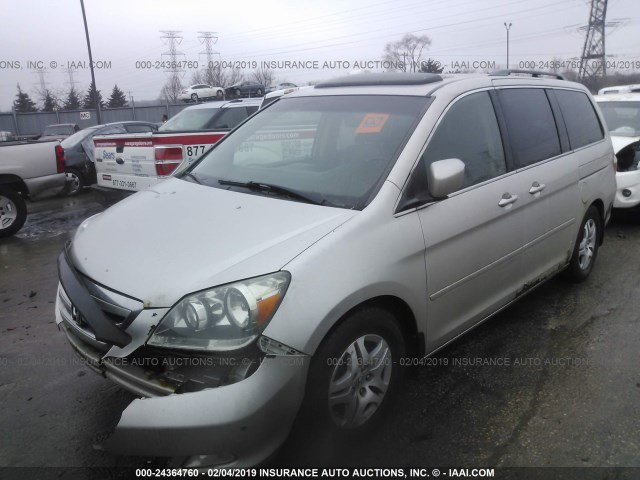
(222, 318)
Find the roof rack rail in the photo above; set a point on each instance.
(533, 73)
(378, 79)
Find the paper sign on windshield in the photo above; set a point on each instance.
(372, 123)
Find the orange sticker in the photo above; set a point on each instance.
(372, 123)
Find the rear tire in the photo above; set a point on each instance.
(219, 94)
(194, 97)
(13, 212)
(585, 250)
(355, 374)
(76, 183)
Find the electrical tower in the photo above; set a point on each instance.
(172, 59)
(173, 65)
(43, 84)
(70, 72)
(209, 39)
(593, 62)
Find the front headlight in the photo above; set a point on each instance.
(222, 318)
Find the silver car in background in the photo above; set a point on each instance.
(336, 233)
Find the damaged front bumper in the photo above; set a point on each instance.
(211, 410)
(627, 189)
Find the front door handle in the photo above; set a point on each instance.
(536, 188)
(507, 199)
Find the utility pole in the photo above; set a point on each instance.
(508, 27)
(133, 105)
(93, 77)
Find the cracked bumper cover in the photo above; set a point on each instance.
(249, 419)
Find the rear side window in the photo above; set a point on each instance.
(196, 119)
(139, 128)
(580, 118)
(229, 118)
(532, 128)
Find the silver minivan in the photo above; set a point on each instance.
(334, 236)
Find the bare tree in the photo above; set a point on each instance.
(232, 75)
(215, 75)
(171, 89)
(197, 77)
(405, 54)
(264, 76)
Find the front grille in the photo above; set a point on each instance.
(120, 309)
(76, 322)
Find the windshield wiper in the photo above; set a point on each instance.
(277, 189)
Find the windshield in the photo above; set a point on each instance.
(334, 149)
(623, 118)
(78, 137)
(196, 119)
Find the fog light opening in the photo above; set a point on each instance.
(626, 192)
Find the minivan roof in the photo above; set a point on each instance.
(421, 84)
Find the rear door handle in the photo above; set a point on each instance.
(507, 199)
(536, 188)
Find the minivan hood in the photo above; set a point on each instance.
(619, 142)
(179, 237)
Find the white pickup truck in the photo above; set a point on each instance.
(137, 161)
(27, 170)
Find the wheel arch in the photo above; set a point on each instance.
(14, 182)
(414, 340)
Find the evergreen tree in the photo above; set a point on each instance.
(88, 102)
(431, 66)
(23, 102)
(50, 103)
(73, 100)
(117, 98)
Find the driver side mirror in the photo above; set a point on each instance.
(445, 177)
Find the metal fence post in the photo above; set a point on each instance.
(15, 120)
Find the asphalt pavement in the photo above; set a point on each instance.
(552, 381)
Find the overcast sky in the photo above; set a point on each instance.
(123, 32)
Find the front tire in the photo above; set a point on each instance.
(585, 250)
(219, 94)
(13, 212)
(355, 373)
(258, 92)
